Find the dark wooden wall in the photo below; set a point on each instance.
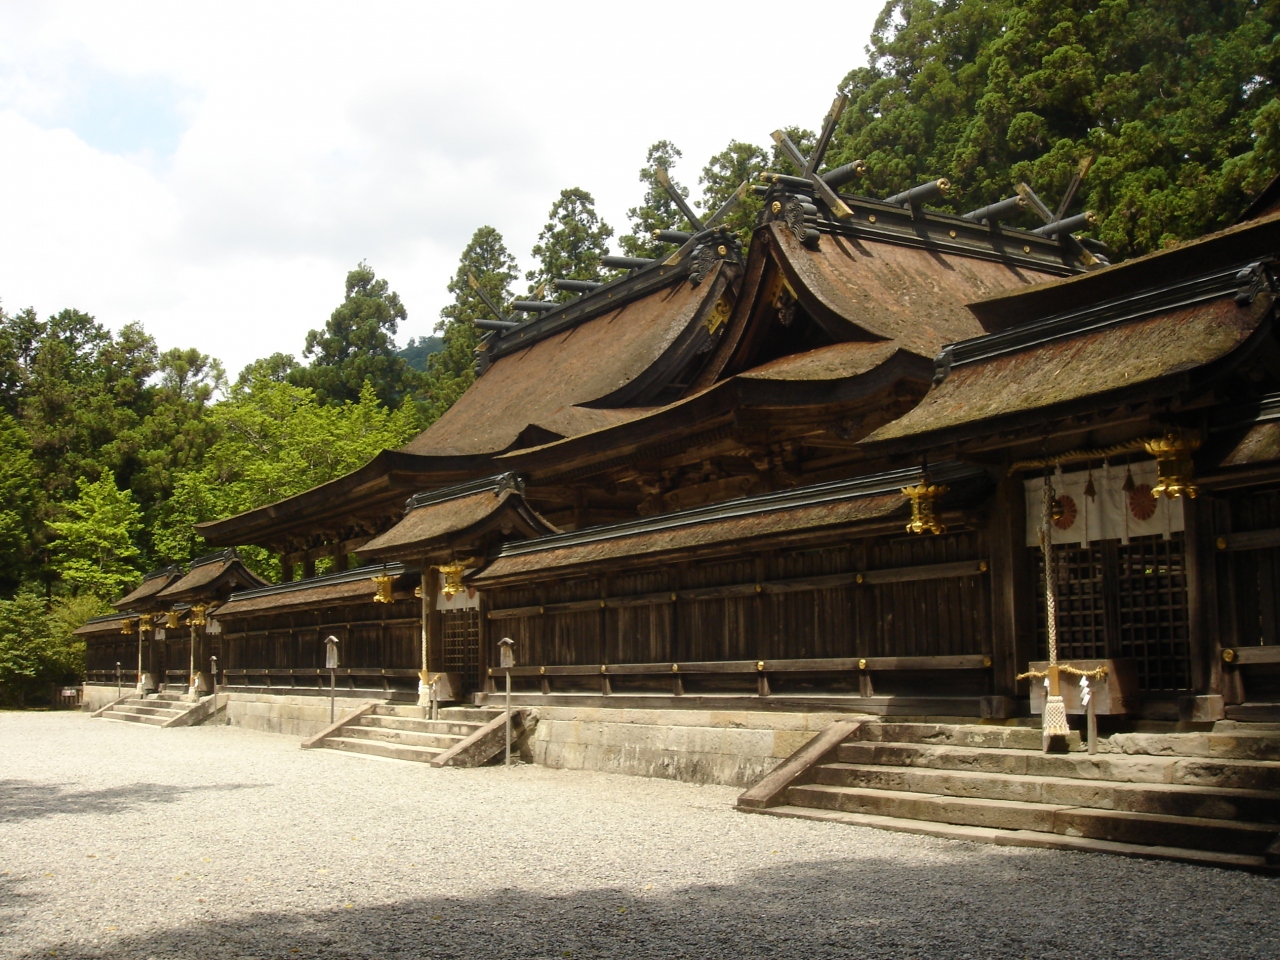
(923, 617)
(385, 635)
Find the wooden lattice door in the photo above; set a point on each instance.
(1123, 601)
(461, 635)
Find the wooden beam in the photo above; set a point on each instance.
(1251, 540)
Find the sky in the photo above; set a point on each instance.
(213, 170)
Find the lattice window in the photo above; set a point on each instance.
(1152, 611)
(1122, 600)
(461, 634)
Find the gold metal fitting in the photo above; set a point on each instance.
(1221, 543)
(862, 664)
(145, 622)
(759, 588)
(452, 572)
(673, 597)
(872, 218)
(759, 664)
(1228, 656)
(382, 589)
(982, 566)
(1174, 466)
(986, 661)
(722, 250)
(542, 670)
(126, 627)
(923, 499)
(173, 620)
(675, 668)
(604, 668)
(859, 578)
(775, 207)
(198, 618)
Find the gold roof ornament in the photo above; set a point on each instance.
(382, 589)
(198, 611)
(173, 620)
(453, 572)
(1174, 467)
(126, 628)
(144, 622)
(924, 498)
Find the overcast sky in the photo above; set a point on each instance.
(213, 170)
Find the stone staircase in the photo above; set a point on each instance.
(1205, 797)
(400, 732)
(157, 710)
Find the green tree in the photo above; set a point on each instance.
(723, 174)
(451, 370)
(18, 336)
(276, 367)
(358, 345)
(38, 647)
(274, 440)
(95, 549)
(19, 504)
(571, 244)
(1176, 99)
(658, 211)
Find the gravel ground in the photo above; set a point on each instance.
(123, 841)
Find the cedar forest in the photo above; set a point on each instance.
(111, 449)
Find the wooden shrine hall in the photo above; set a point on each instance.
(956, 472)
(807, 475)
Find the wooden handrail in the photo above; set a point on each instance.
(825, 665)
(320, 671)
(931, 571)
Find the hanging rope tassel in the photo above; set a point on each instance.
(1055, 710)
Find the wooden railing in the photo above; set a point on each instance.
(317, 678)
(127, 677)
(677, 673)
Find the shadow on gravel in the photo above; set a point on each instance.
(28, 800)
(974, 905)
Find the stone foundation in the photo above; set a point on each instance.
(736, 748)
(294, 716)
(95, 696)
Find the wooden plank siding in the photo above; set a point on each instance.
(900, 596)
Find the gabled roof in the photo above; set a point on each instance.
(1140, 344)
(348, 586)
(211, 578)
(875, 497)
(459, 518)
(559, 382)
(1265, 203)
(152, 583)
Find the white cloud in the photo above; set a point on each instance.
(214, 170)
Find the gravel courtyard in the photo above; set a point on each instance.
(126, 841)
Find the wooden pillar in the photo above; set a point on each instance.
(1201, 571)
(308, 568)
(286, 568)
(339, 558)
(1013, 636)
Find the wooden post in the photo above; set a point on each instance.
(1201, 568)
(1013, 640)
(286, 568)
(308, 568)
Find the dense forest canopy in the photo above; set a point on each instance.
(110, 449)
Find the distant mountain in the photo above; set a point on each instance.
(418, 349)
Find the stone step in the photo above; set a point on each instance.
(1194, 833)
(1160, 798)
(120, 715)
(1123, 768)
(960, 735)
(413, 738)
(1025, 838)
(418, 725)
(476, 715)
(156, 710)
(1219, 746)
(379, 748)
